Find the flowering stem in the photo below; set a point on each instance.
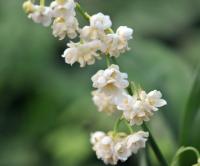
(117, 123)
(128, 126)
(108, 60)
(82, 12)
(155, 147)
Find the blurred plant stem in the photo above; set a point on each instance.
(42, 2)
(155, 147)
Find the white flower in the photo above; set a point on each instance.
(138, 114)
(122, 152)
(152, 100)
(104, 150)
(104, 102)
(62, 27)
(65, 22)
(41, 15)
(124, 32)
(96, 137)
(100, 21)
(110, 79)
(117, 43)
(137, 141)
(63, 8)
(89, 33)
(83, 53)
(114, 147)
(137, 109)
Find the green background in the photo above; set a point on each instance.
(46, 111)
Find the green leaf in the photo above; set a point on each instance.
(190, 124)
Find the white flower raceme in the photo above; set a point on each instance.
(62, 27)
(118, 147)
(117, 43)
(100, 21)
(83, 53)
(42, 15)
(110, 79)
(137, 109)
(103, 102)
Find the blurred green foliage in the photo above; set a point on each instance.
(46, 112)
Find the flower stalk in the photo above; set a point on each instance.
(155, 147)
(42, 3)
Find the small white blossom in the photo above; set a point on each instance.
(104, 150)
(96, 137)
(104, 102)
(63, 8)
(124, 32)
(110, 79)
(89, 33)
(62, 27)
(152, 100)
(100, 21)
(117, 43)
(137, 109)
(137, 114)
(65, 22)
(83, 53)
(122, 152)
(137, 141)
(42, 15)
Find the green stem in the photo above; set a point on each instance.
(117, 123)
(42, 2)
(147, 154)
(155, 147)
(85, 15)
(108, 60)
(128, 126)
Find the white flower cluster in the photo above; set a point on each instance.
(113, 148)
(110, 84)
(139, 108)
(95, 39)
(111, 96)
(63, 13)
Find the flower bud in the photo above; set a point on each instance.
(28, 6)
